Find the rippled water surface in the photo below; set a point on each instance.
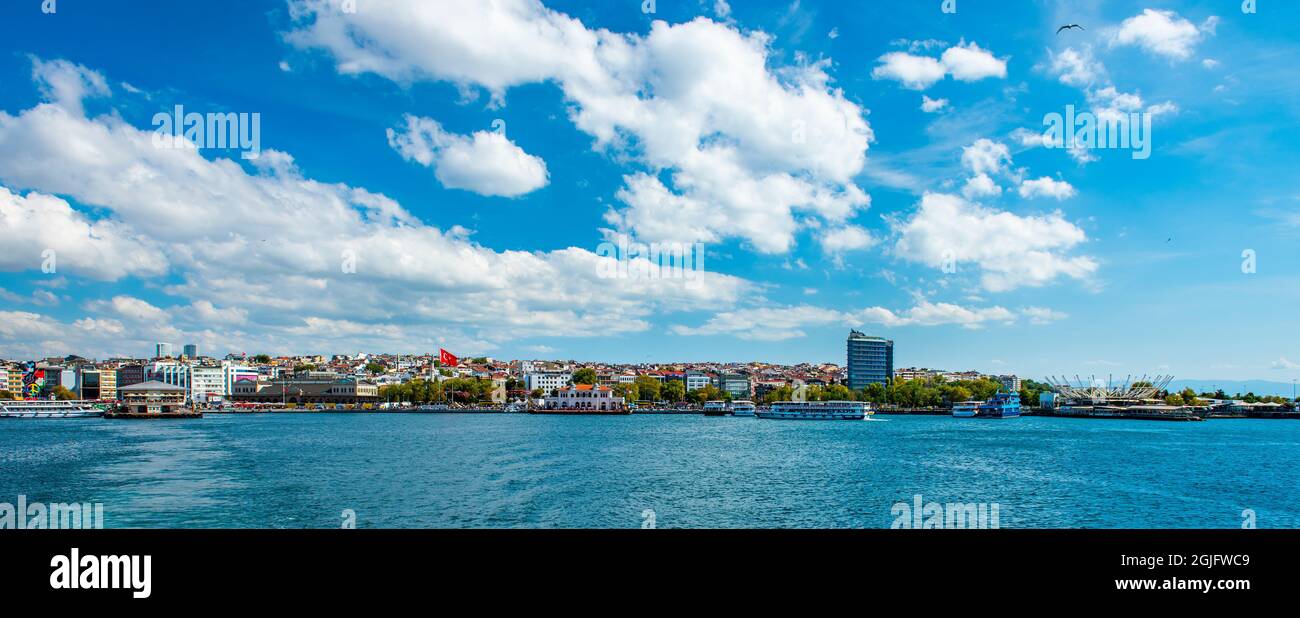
(444, 470)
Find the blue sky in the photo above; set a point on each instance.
(788, 139)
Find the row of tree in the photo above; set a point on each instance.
(457, 390)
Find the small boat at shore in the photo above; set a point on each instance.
(965, 409)
(716, 408)
(44, 408)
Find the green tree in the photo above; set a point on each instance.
(6, 395)
(648, 388)
(586, 375)
(262, 359)
(674, 390)
(375, 368)
(627, 391)
(62, 393)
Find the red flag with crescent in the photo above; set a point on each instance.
(447, 358)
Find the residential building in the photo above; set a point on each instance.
(547, 380)
(696, 380)
(870, 360)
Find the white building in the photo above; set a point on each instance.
(175, 374)
(207, 382)
(162, 350)
(547, 380)
(1010, 383)
(233, 373)
(696, 381)
(584, 397)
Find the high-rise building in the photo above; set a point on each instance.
(162, 350)
(191, 351)
(871, 360)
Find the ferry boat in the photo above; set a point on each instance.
(965, 409)
(816, 411)
(1001, 405)
(42, 408)
(742, 408)
(716, 408)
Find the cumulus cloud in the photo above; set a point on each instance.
(1162, 32)
(486, 162)
(965, 62)
(846, 238)
(986, 156)
(257, 256)
(981, 185)
(1009, 250)
(1046, 187)
(42, 230)
(931, 106)
(68, 84)
(789, 322)
(760, 143)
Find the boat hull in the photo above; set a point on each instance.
(793, 416)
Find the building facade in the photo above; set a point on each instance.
(871, 360)
(207, 383)
(696, 380)
(162, 350)
(584, 397)
(547, 380)
(735, 383)
(191, 351)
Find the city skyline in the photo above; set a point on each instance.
(869, 166)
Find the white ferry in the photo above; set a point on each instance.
(44, 408)
(742, 408)
(817, 411)
(966, 409)
(716, 408)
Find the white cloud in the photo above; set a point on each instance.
(265, 250)
(931, 106)
(1029, 138)
(1046, 187)
(1210, 63)
(981, 185)
(986, 156)
(969, 63)
(964, 62)
(1010, 250)
(1284, 363)
(845, 238)
(1163, 33)
(756, 141)
(783, 323)
(914, 72)
(486, 162)
(68, 84)
(1077, 68)
(721, 8)
(41, 230)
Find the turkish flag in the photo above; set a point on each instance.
(447, 358)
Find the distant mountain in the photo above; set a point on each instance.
(1259, 387)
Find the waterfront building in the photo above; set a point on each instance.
(162, 350)
(130, 374)
(94, 384)
(232, 373)
(735, 383)
(915, 373)
(191, 351)
(696, 380)
(175, 374)
(584, 398)
(547, 380)
(153, 398)
(314, 387)
(207, 384)
(870, 360)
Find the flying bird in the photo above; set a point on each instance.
(1069, 26)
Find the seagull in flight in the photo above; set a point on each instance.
(1068, 27)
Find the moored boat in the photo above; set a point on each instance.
(817, 411)
(742, 408)
(716, 408)
(1000, 405)
(43, 408)
(965, 409)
